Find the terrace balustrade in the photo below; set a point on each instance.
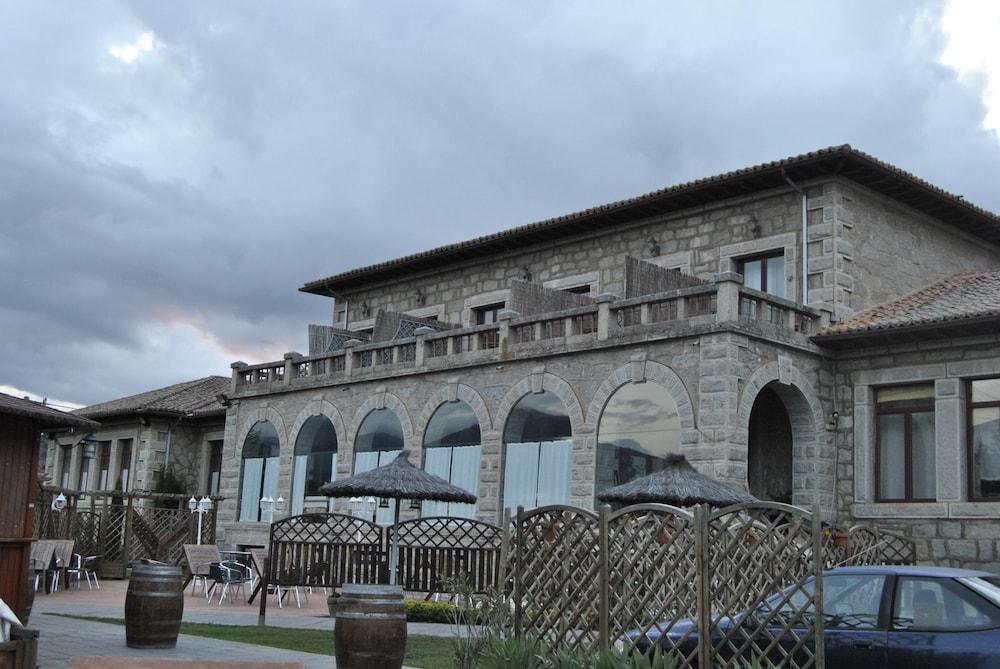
(610, 321)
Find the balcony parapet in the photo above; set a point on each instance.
(609, 321)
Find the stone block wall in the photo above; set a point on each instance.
(711, 379)
(951, 529)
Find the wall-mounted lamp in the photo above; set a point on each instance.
(366, 310)
(755, 228)
(832, 425)
(653, 246)
(524, 274)
(421, 299)
(224, 400)
(59, 503)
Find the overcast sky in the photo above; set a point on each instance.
(172, 172)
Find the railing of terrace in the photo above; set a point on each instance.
(609, 319)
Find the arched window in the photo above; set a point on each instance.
(451, 451)
(315, 463)
(638, 428)
(260, 469)
(379, 441)
(537, 453)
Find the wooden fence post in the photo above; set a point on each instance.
(518, 594)
(817, 552)
(126, 546)
(603, 567)
(703, 585)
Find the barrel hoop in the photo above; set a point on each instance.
(370, 616)
(155, 594)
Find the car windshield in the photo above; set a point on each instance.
(987, 586)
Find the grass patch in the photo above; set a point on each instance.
(426, 652)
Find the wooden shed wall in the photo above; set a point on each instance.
(18, 474)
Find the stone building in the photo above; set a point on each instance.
(726, 319)
(177, 429)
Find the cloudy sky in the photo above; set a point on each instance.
(172, 172)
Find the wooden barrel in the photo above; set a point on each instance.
(369, 631)
(154, 605)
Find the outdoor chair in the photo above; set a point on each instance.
(199, 560)
(229, 573)
(287, 582)
(89, 567)
(73, 571)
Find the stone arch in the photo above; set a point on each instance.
(450, 393)
(646, 370)
(382, 400)
(318, 407)
(260, 414)
(538, 382)
(811, 446)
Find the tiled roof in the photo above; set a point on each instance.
(969, 297)
(842, 161)
(196, 397)
(40, 413)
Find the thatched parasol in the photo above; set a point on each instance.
(678, 483)
(398, 480)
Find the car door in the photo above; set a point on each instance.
(855, 632)
(941, 624)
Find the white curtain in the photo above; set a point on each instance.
(271, 478)
(892, 457)
(520, 476)
(554, 466)
(464, 474)
(437, 461)
(299, 484)
(253, 469)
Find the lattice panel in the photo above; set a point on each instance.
(435, 549)
(556, 587)
(753, 552)
(326, 549)
(159, 533)
(87, 533)
(114, 535)
(653, 575)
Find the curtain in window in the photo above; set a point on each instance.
(892, 456)
(986, 452)
(924, 458)
(520, 475)
(299, 483)
(364, 462)
(554, 463)
(465, 474)
(437, 461)
(253, 471)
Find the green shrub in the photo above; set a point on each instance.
(429, 612)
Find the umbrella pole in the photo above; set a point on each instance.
(394, 549)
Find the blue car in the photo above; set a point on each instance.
(884, 618)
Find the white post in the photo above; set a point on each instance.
(394, 550)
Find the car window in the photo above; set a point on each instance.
(940, 604)
(851, 601)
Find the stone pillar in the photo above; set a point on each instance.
(604, 301)
(950, 437)
(237, 368)
(349, 355)
(290, 359)
(505, 317)
(728, 301)
(420, 334)
(718, 401)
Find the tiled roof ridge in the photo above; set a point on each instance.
(890, 314)
(154, 399)
(789, 161)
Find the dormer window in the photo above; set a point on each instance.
(765, 273)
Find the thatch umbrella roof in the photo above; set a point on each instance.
(398, 480)
(679, 484)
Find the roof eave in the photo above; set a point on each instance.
(958, 327)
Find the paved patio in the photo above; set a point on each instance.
(63, 638)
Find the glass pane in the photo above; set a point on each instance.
(537, 417)
(940, 604)
(453, 424)
(437, 461)
(316, 436)
(924, 460)
(924, 391)
(520, 475)
(892, 463)
(986, 390)
(851, 601)
(299, 483)
(253, 470)
(776, 276)
(752, 274)
(986, 452)
(638, 428)
(554, 458)
(465, 474)
(380, 431)
(262, 441)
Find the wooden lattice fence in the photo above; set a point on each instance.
(122, 527)
(581, 580)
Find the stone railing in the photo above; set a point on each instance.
(609, 319)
